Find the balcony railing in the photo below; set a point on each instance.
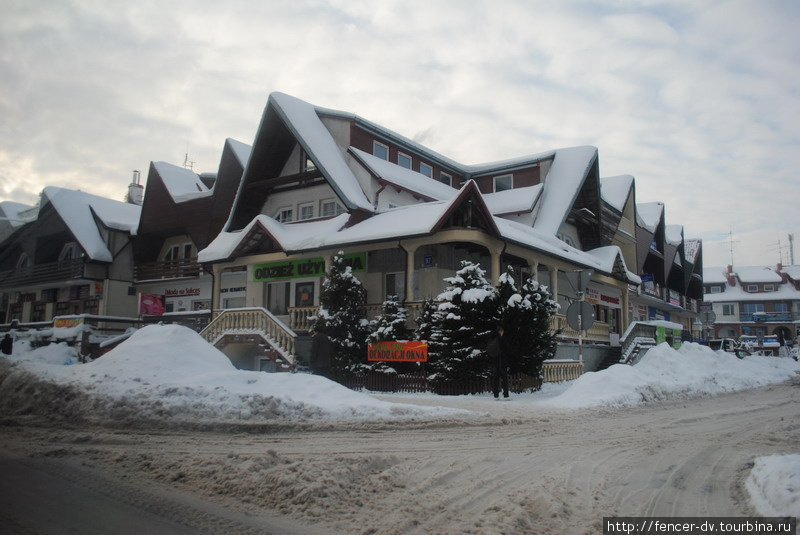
(51, 272)
(167, 269)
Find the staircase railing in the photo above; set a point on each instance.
(253, 321)
(636, 341)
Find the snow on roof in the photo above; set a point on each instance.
(13, 213)
(76, 208)
(291, 237)
(692, 249)
(240, 150)
(302, 119)
(783, 292)
(182, 184)
(757, 274)
(648, 215)
(673, 234)
(405, 178)
(615, 190)
(513, 201)
(714, 275)
(562, 186)
(792, 271)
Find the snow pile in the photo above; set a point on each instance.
(667, 373)
(774, 485)
(169, 372)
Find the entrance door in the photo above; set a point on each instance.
(277, 298)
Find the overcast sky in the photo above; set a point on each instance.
(698, 100)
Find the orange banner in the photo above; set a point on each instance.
(398, 351)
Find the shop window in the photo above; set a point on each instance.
(37, 313)
(91, 306)
(304, 294)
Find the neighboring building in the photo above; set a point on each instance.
(73, 256)
(321, 181)
(182, 212)
(754, 301)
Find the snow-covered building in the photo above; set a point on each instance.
(754, 301)
(182, 211)
(320, 181)
(68, 255)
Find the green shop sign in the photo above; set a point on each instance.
(308, 267)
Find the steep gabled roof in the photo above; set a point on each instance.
(513, 201)
(562, 186)
(615, 190)
(82, 211)
(649, 215)
(182, 184)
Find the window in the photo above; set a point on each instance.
(769, 287)
(307, 163)
(330, 208)
(444, 178)
(728, 310)
(752, 288)
(306, 211)
(716, 290)
(781, 307)
(380, 150)
(503, 183)
(404, 160)
(396, 285)
(172, 253)
(24, 261)
(285, 215)
(68, 252)
(753, 308)
(426, 170)
(187, 250)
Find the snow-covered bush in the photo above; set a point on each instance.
(390, 325)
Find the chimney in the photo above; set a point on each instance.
(135, 190)
(729, 274)
(779, 271)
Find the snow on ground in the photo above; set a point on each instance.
(169, 373)
(774, 485)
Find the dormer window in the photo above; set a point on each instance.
(404, 160)
(380, 150)
(769, 287)
(503, 183)
(285, 215)
(752, 288)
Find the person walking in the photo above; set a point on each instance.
(497, 348)
(7, 345)
(321, 353)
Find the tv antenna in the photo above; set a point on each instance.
(187, 163)
(732, 241)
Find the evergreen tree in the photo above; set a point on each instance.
(390, 325)
(342, 316)
(525, 314)
(462, 324)
(425, 321)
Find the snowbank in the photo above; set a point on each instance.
(169, 372)
(774, 485)
(666, 373)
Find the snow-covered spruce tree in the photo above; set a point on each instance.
(390, 325)
(342, 316)
(425, 321)
(462, 324)
(525, 313)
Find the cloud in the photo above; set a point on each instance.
(697, 100)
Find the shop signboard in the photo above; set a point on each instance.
(398, 351)
(67, 322)
(151, 304)
(308, 267)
